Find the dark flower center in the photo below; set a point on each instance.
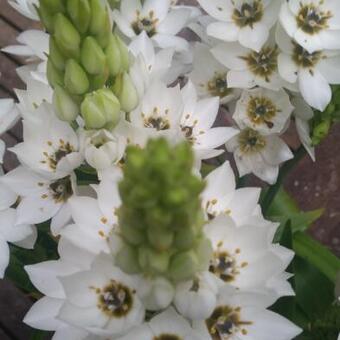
(248, 14)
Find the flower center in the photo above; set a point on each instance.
(167, 337)
(225, 265)
(261, 110)
(115, 300)
(147, 24)
(311, 19)
(263, 63)
(218, 86)
(156, 121)
(61, 189)
(52, 159)
(305, 59)
(251, 141)
(248, 14)
(225, 322)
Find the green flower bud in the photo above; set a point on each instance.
(92, 57)
(160, 239)
(100, 22)
(124, 53)
(54, 6)
(98, 81)
(66, 108)
(204, 252)
(126, 92)
(66, 36)
(185, 238)
(46, 17)
(54, 76)
(114, 3)
(168, 223)
(80, 13)
(100, 109)
(56, 56)
(183, 266)
(152, 261)
(127, 260)
(76, 80)
(114, 58)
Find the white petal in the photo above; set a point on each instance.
(4, 257)
(314, 89)
(255, 37)
(174, 21)
(43, 314)
(287, 68)
(330, 69)
(229, 55)
(224, 31)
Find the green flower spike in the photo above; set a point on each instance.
(84, 57)
(160, 218)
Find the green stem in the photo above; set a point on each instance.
(285, 169)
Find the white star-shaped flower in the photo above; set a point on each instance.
(220, 196)
(242, 315)
(263, 110)
(245, 258)
(313, 24)
(50, 146)
(248, 68)
(310, 73)
(245, 21)
(41, 199)
(157, 18)
(259, 154)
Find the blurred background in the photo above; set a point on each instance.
(313, 185)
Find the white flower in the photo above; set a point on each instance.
(33, 96)
(249, 68)
(303, 114)
(94, 219)
(102, 149)
(311, 73)
(9, 114)
(259, 154)
(34, 44)
(263, 110)
(50, 146)
(220, 196)
(149, 65)
(247, 22)
(196, 124)
(102, 300)
(314, 24)
(155, 293)
(245, 258)
(2, 150)
(40, 198)
(210, 80)
(26, 8)
(160, 111)
(45, 276)
(243, 316)
(157, 18)
(23, 235)
(167, 325)
(197, 299)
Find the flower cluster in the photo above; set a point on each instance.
(119, 115)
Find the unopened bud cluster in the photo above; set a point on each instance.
(160, 218)
(88, 64)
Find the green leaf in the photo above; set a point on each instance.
(40, 335)
(317, 255)
(300, 221)
(284, 208)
